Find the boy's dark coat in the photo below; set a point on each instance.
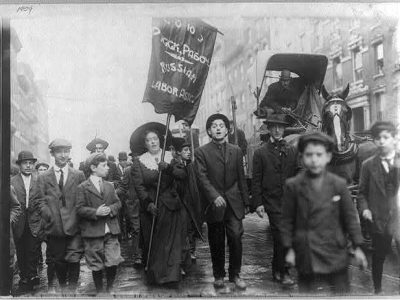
(88, 200)
(316, 227)
(373, 195)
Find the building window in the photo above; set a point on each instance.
(379, 58)
(380, 106)
(358, 119)
(337, 72)
(357, 64)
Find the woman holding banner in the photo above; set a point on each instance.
(167, 238)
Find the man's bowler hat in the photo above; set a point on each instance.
(25, 155)
(281, 119)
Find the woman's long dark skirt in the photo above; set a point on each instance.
(170, 236)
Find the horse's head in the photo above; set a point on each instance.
(336, 116)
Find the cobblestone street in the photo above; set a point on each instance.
(256, 272)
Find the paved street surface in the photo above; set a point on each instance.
(256, 271)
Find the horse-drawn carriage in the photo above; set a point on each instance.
(315, 109)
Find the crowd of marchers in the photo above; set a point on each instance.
(161, 199)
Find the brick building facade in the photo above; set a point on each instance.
(29, 114)
(361, 52)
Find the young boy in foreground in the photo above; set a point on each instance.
(98, 207)
(318, 214)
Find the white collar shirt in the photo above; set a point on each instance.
(58, 173)
(388, 161)
(27, 185)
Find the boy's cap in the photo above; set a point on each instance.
(92, 145)
(179, 143)
(60, 143)
(92, 157)
(316, 137)
(380, 126)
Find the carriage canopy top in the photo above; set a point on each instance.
(310, 67)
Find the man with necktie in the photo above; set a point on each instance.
(29, 224)
(273, 163)
(58, 207)
(219, 168)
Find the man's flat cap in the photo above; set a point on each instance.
(60, 143)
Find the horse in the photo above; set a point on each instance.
(350, 150)
(335, 118)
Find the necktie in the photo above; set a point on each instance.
(101, 185)
(61, 182)
(61, 186)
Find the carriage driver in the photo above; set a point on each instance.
(283, 94)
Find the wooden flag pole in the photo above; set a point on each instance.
(158, 191)
(191, 143)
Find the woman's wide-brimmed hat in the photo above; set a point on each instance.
(137, 145)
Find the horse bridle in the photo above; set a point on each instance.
(348, 114)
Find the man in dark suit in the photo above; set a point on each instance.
(98, 145)
(59, 188)
(378, 188)
(29, 224)
(15, 215)
(273, 163)
(127, 194)
(123, 218)
(219, 168)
